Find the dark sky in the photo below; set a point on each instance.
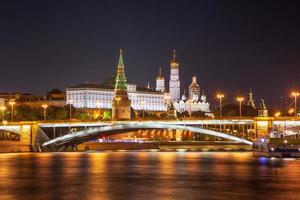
(229, 45)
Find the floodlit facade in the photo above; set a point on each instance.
(160, 82)
(195, 102)
(174, 84)
(97, 96)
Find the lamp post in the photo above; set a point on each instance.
(70, 108)
(3, 108)
(295, 95)
(240, 99)
(12, 103)
(45, 106)
(220, 97)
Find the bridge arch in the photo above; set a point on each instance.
(88, 134)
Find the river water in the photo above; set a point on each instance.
(147, 175)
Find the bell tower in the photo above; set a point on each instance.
(121, 103)
(160, 82)
(174, 84)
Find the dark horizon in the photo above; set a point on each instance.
(230, 46)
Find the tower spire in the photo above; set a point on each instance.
(121, 63)
(174, 55)
(251, 101)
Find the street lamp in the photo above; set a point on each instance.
(45, 106)
(277, 114)
(295, 95)
(3, 108)
(70, 111)
(240, 99)
(12, 103)
(291, 110)
(220, 96)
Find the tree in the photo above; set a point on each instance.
(26, 113)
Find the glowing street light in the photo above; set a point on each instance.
(3, 108)
(4, 122)
(295, 95)
(12, 103)
(240, 99)
(277, 114)
(45, 106)
(220, 97)
(291, 110)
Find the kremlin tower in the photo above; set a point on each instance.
(174, 84)
(121, 103)
(160, 82)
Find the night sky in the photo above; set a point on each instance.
(229, 45)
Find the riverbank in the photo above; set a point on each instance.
(15, 147)
(165, 146)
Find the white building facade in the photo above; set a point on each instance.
(94, 96)
(174, 84)
(160, 82)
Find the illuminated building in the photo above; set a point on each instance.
(95, 96)
(121, 103)
(262, 110)
(160, 82)
(194, 89)
(196, 101)
(174, 84)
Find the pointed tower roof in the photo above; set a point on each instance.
(174, 63)
(160, 76)
(121, 83)
(121, 63)
(251, 101)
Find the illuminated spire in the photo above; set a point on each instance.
(160, 76)
(121, 63)
(251, 102)
(121, 83)
(174, 63)
(174, 55)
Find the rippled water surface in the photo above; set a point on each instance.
(147, 175)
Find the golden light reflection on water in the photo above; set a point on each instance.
(146, 175)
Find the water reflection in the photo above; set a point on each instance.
(147, 175)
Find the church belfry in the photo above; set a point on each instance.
(121, 103)
(160, 82)
(174, 84)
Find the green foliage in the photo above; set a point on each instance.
(106, 115)
(57, 113)
(26, 113)
(234, 110)
(82, 115)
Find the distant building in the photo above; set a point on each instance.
(92, 96)
(160, 82)
(194, 90)
(56, 94)
(189, 105)
(262, 110)
(174, 84)
(195, 102)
